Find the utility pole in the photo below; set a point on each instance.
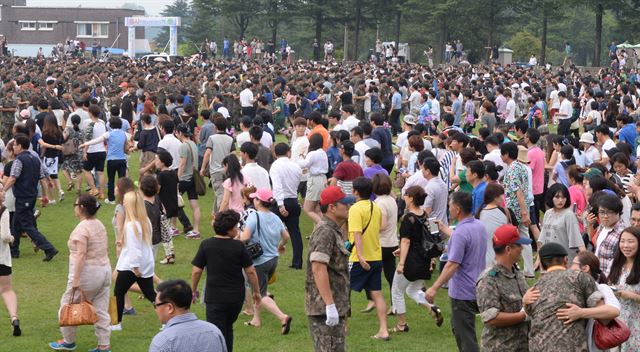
(344, 54)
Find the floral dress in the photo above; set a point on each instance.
(630, 313)
(73, 162)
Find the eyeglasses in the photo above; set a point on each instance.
(606, 213)
(156, 305)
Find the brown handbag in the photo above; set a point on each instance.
(74, 314)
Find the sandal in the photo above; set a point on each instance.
(381, 338)
(245, 312)
(248, 323)
(400, 328)
(286, 327)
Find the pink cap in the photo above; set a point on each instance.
(264, 194)
(25, 113)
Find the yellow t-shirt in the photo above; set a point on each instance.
(359, 215)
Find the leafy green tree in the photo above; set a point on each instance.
(524, 44)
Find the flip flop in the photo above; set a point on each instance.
(367, 309)
(248, 323)
(376, 337)
(287, 325)
(437, 315)
(398, 329)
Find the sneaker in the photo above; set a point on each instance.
(131, 311)
(36, 214)
(117, 327)
(193, 235)
(175, 232)
(60, 345)
(61, 196)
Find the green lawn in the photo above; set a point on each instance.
(40, 285)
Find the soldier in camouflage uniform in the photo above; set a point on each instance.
(556, 288)
(8, 110)
(499, 294)
(328, 271)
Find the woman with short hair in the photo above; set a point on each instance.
(89, 272)
(225, 260)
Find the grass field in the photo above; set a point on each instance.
(40, 285)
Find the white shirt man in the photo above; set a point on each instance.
(555, 100)
(533, 61)
(285, 175)
(566, 110)
(171, 144)
(299, 149)
(435, 109)
(495, 156)
(415, 101)
(350, 122)
(510, 113)
(246, 98)
(258, 176)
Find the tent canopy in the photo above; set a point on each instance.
(628, 46)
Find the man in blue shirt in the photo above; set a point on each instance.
(225, 48)
(395, 109)
(475, 176)
(628, 132)
(456, 108)
(382, 136)
(182, 331)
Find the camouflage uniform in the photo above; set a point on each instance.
(8, 117)
(500, 291)
(327, 246)
(557, 288)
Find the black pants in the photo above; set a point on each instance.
(293, 226)
(394, 121)
(249, 111)
(463, 324)
(388, 267)
(113, 166)
(124, 281)
(564, 126)
(223, 315)
(23, 221)
(184, 220)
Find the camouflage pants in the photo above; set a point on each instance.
(327, 338)
(6, 133)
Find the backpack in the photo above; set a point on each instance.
(431, 245)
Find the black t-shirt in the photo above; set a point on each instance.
(50, 152)
(40, 118)
(153, 212)
(346, 98)
(168, 181)
(224, 260)
(149, 140)
(416, 267)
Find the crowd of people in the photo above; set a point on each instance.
(458, 175)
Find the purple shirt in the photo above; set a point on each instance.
(467, 247)
(374, 170)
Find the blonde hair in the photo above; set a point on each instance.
(136, 212)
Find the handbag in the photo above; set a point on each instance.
(611, 335)
(255, 249)
(69, 147)
(201, 187)
(75, 314)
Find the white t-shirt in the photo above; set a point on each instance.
(606, 146)
(171, 144)
(511, 108)
(246, 98)
(555, 101)
(435, 109)
(610, 300)
(565, 109)
(414, 101)
(99, 128)
(257, 175)
(243, 137)
(350, 122)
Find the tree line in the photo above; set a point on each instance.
(538, 27)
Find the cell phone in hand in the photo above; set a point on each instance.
(574, 207)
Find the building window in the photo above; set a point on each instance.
(45, 26)
(27, 25)
(93, 30)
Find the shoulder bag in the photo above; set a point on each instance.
(255, 249)
(75, 314)
(348, 245)
(611, 335)
(201, 187)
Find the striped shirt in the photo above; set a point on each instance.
(186, 333)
